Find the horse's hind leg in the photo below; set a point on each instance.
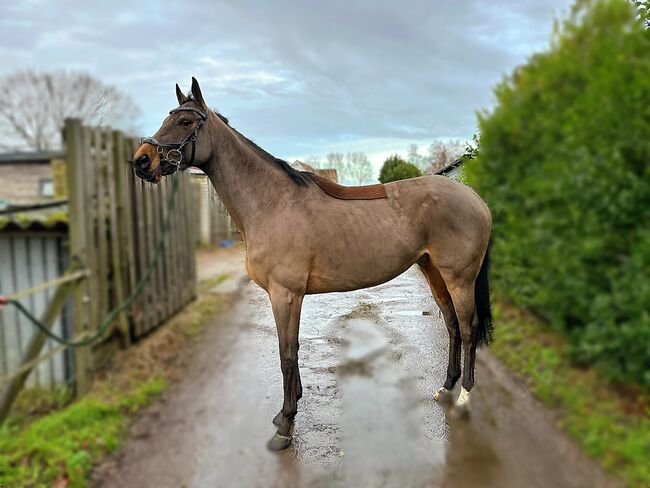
(465, 307)
(443, 300)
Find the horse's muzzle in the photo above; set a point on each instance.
(142, 162)
(146, 162)
(167, 168)
(149, 176)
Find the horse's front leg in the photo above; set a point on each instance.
(286, 310)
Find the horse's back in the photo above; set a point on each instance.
(441, 199)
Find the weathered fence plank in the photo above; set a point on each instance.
(75, 153)
(100, 177)
(116, 214)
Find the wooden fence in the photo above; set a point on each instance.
(115, 221)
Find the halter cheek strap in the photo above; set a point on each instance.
(174, 155)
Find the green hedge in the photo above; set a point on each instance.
(564, 164)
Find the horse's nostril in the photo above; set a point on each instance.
(142, 161)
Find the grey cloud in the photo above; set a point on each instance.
(291, 74)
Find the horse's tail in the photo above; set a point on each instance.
(482, 301)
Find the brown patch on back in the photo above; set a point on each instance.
(150, 151)
(367, 192)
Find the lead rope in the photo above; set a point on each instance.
(125, 304)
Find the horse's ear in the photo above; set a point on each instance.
(179, 94)
(196, 93)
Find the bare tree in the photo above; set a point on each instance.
(337, 161)
(414, 157)
(34, 105)
(443, 153)
(359, 167)
(314, 161)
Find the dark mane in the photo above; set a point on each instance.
(300, 178)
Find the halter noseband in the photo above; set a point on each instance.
(174, 154)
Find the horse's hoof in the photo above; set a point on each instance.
(443, 395)
(277, 419)
(461, 407)
(278, 442)
(463, 398)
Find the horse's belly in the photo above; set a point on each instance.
(355, 272)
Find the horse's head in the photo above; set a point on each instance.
(181, 142)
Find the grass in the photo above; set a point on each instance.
(212, 282)
(612, 424)
(362, 309)
(50, 442)
(64, 445)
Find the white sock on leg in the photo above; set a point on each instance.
(463, 398)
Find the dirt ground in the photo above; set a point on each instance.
(370, 363)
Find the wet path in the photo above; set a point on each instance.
(370, 362)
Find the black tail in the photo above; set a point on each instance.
(482, 301)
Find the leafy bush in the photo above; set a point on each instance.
(565, 167)
(395, 168)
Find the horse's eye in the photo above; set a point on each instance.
(186, 121)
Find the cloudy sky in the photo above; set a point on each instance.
(301, 78)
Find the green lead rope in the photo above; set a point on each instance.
(125, 304)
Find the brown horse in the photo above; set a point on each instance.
(301, 240)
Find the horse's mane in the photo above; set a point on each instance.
(300, 178)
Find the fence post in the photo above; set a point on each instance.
(78, 218)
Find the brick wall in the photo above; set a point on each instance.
(20, 182)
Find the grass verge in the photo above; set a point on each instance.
(47, 442)
(612, 424)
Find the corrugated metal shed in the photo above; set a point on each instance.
(32, 251)
(53, 219)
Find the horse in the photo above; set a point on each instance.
(304, 235)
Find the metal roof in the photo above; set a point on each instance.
(30, 156)
(44, 219)
(449, 167)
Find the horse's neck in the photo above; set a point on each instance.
(248, 185)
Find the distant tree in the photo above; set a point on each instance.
(314, 162)
(337, 161)
(395, 168)
(358, 166)
(34, 105)
(442, 153)
(414, 157)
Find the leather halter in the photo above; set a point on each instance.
(174, 154)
